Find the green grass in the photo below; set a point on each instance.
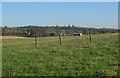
(76, 57)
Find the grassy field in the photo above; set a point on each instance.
(76, 57)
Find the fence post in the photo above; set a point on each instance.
(90, 35)
(35, 41)
(60, 39)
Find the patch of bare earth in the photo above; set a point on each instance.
(10, 37)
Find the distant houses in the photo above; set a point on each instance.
(74, 34)
(77, 34)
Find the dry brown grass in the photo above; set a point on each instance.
(9, 37)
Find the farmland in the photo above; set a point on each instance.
(75, 57)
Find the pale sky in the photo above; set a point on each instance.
(95, 14)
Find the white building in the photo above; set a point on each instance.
(77, 34)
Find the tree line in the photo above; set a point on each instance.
(45, 31)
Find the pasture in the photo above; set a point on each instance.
(76, 57)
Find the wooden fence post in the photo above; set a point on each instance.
(90, 35)
(60, 39)
(35, 41)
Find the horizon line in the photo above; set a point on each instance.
(63, 26)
